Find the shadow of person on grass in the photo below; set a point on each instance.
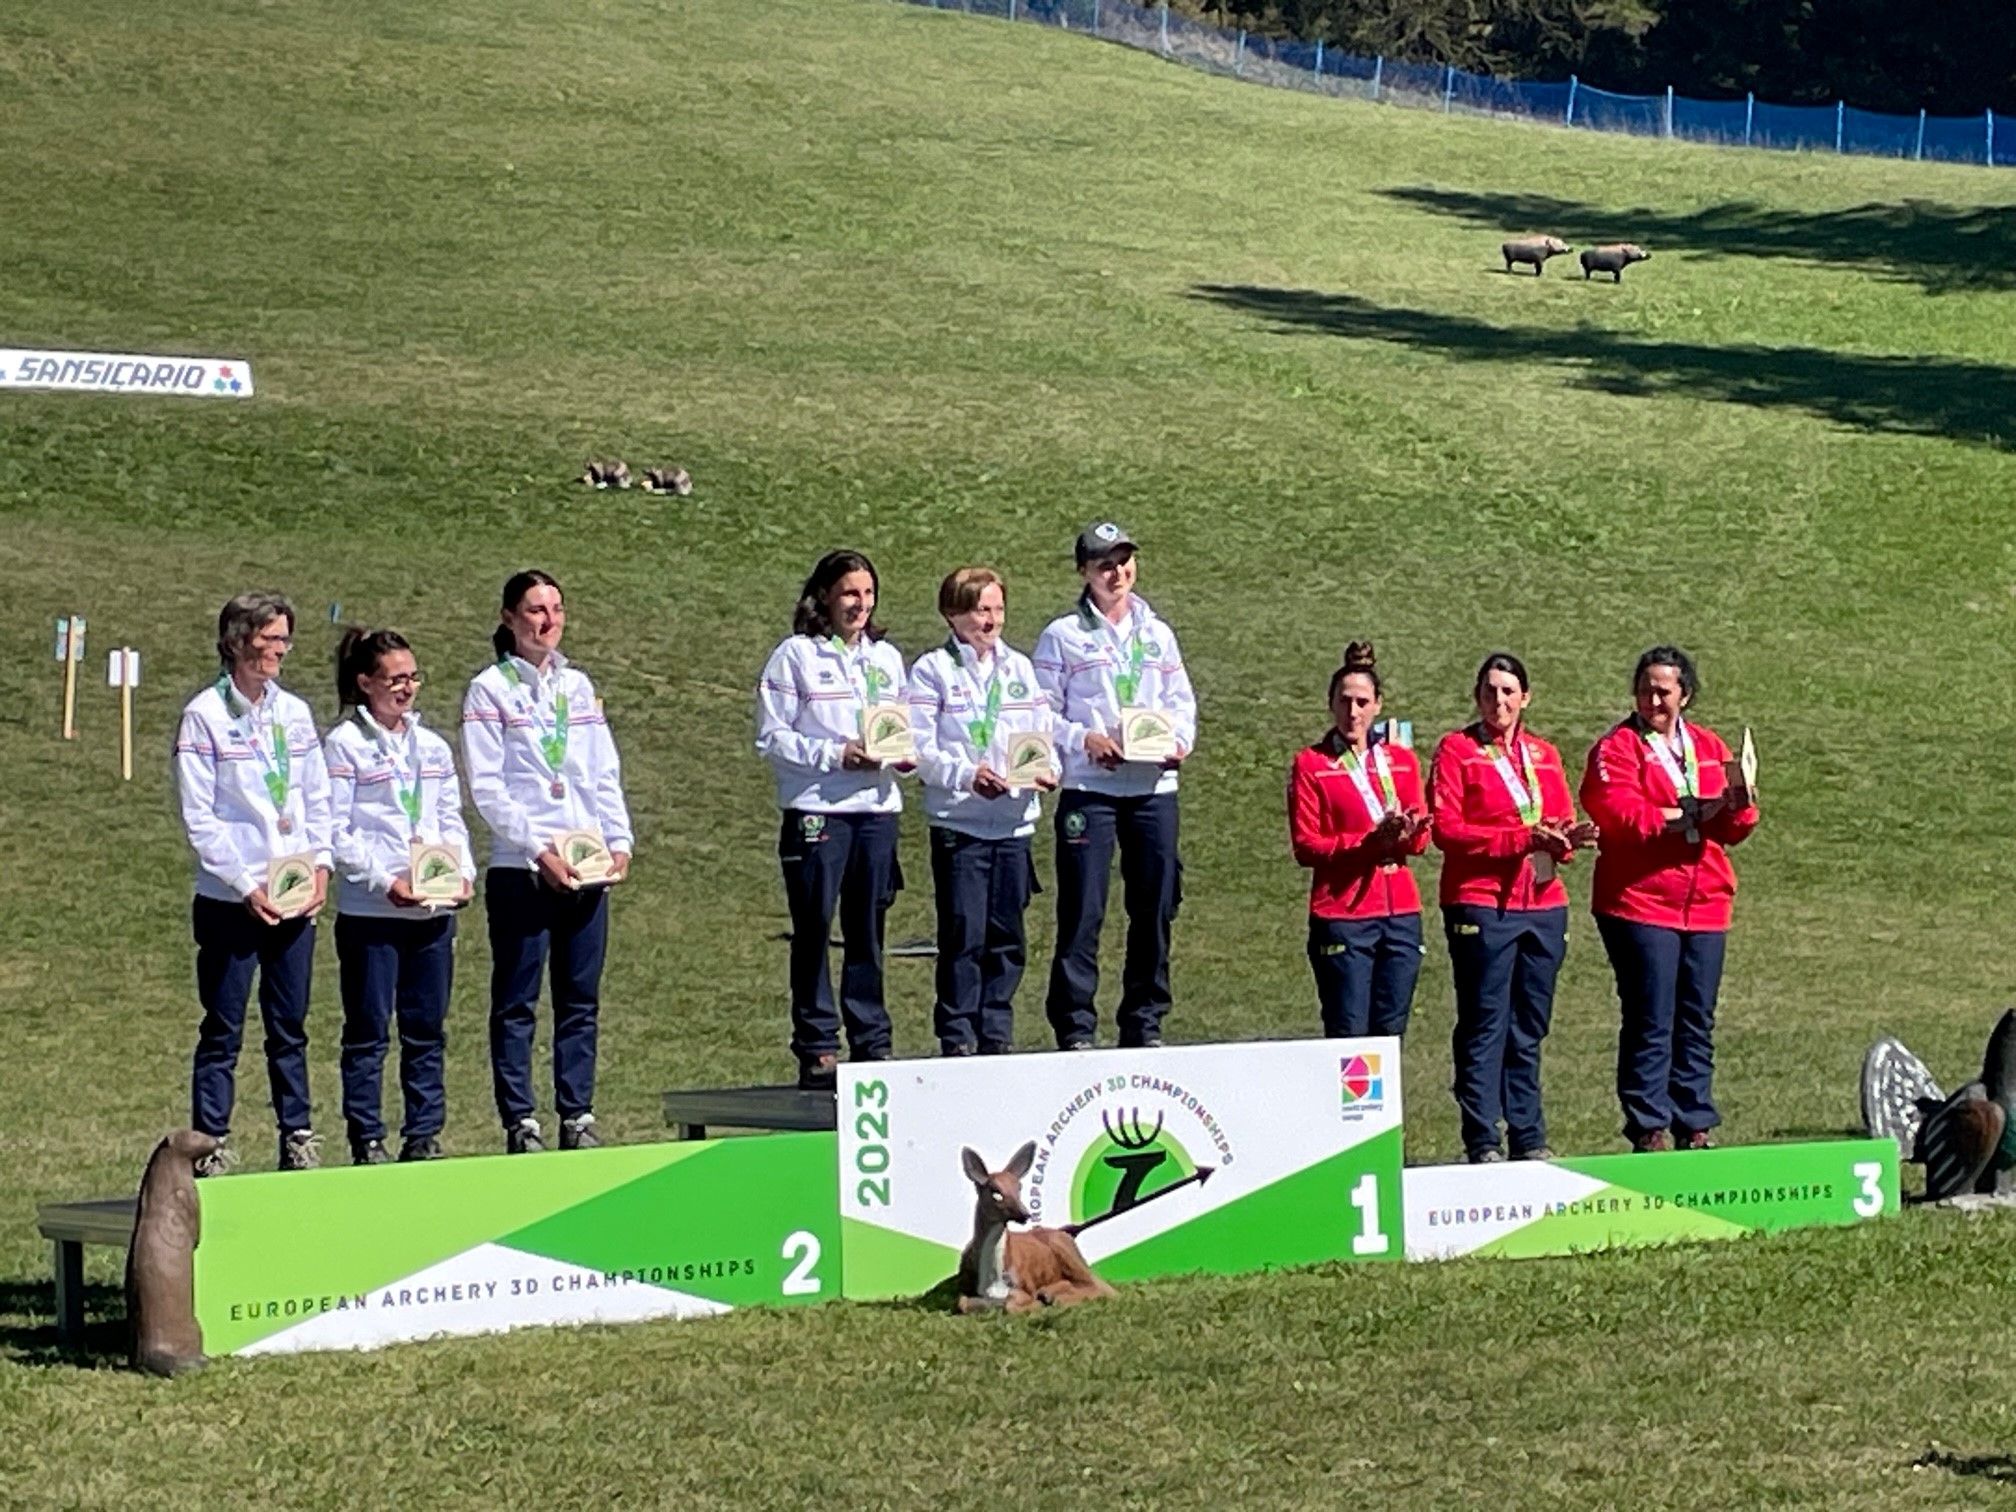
(28, 1326)
(1918, 396)
(1994, 1467)
(1944, 249)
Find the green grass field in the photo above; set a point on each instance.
(946, 289)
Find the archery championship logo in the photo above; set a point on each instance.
(1361, 1090)
(1133, 1158)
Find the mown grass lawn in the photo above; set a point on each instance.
(946, 290)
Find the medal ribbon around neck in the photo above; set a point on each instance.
(1355, 768)
(275, 767)
(1130, 653)
(980, 731)
(1525, 795)
(873, 680)
(552, 738)
(405, 787)
(1686, 772)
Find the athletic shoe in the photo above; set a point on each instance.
(956, 1052)
(819, 1074)
(1652, 1142)
(217, 1163)
(871, 1055)
(1077, 1045)
(300, 1150)
(422, 1147)
(369, 1152)
(1492, 1156)
(1696, 1139)
(522, 1138)
(1538, 1152)
(1153, 1042)
(578, 1133)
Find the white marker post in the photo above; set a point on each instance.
(122, 671)
(70, 651)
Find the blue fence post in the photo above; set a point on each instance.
(1840, 122)
(1749, 115)
(1448, 88)
(1991, 139)
(1319, 57)
(1239, 57)
(1011, 10)
(1668, 123)
(1569, 118)
(1165, 25)
(1378, 73)
(1918, 152)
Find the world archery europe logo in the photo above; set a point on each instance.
(224, 381)
(1360, 1087)
(1130, 1163)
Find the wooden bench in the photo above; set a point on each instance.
(793, 1108)
(69, 1226)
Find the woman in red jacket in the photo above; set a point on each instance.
(1504, 823)
(1664, 792)
(1355, 816)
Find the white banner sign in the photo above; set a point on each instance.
(126, 373)
(1220, 1158)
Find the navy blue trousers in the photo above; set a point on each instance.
(844, 863)
(983, 889)
(1667, 982)
(530, 924)
(395, 970)
(1089, 827)
(1505, 963)
(1365, 973)
(232, 943)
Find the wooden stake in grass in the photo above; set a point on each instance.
(70, 651)
(122, 671)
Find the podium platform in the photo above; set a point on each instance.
(788, 1108)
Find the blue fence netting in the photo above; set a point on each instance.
(1748, 122)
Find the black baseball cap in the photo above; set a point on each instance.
(1102, 540)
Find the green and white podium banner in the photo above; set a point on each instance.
(1219, 1158)
(356, 1257)
(1571, 1206)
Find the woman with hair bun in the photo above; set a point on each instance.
(1670, 802)
(391, 782)
(837, 838)
(1505, 824)
(1356, 816)
(541, 763)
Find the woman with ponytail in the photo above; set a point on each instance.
(541, 764)
(1505, 824)
(391, 782)
(1356, 816)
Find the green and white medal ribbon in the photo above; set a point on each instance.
(980, 731)
(1129, 653)
(872, 683)
(1526, 794)
(1686, 772)
(553, 737)
(275, 766)
(1386, 800)
(404, 786)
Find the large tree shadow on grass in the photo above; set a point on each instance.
(1919, 396)
(1943, 248)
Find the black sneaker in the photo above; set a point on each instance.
(369, 1152)
(1492, 1156)
(819, 1074)
(300, 1150)
(422, 1147)
(219, 1162)
(1077, 1045)
(957, 1052)
(578, 1133)
(523, 1138)
(871, 1055)
(1538, 1152)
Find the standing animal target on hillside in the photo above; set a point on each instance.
(1612, 259)
(1532, 252)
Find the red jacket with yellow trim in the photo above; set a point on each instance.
(1484, 843)
(1330, 827)
(1643, 873)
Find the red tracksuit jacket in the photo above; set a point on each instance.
(1477, 825)
(1643, 874)
(1329, 825)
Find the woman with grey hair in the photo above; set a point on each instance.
(254, 795)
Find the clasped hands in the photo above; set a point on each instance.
(1561, 841)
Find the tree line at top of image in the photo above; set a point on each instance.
(1956, 58)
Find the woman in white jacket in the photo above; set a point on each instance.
(968, 698)
(391, 782)
(837, 841)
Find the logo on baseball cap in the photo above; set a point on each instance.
(1102, 539)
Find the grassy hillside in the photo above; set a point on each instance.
(946, 289)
